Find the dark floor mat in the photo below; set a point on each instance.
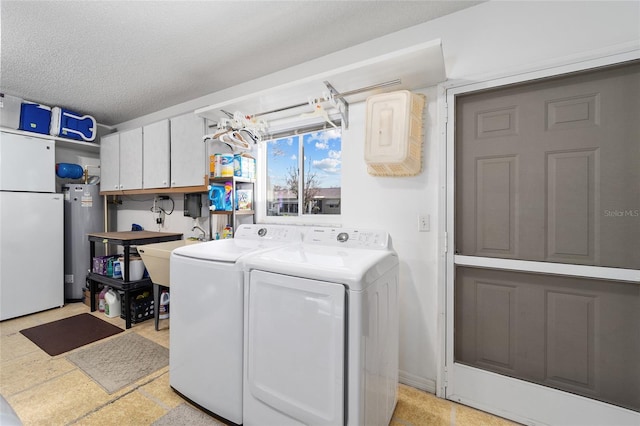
(69, 333)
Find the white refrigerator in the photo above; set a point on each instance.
(31, 227)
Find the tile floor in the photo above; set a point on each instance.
(45, 390)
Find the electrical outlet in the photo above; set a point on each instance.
(423, 223)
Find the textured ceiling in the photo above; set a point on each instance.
(119, 60)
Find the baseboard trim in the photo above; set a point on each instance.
(417, 382)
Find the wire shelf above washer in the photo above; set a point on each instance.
(416, 67)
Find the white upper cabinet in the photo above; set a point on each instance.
(110, 162)
(131, 159)
(121, 161)
(156, 151)
(166, 154)
(188, 151)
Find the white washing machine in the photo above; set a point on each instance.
(321, 331)
(207, 290)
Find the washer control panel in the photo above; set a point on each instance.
(269, 232)
(348, 237)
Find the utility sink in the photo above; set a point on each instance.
(156, 258)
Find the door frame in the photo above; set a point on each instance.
(447, 93)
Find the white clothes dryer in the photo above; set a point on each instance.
(321, 331)
(207, 290)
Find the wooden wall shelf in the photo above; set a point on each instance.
(177, 190)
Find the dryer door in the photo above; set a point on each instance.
(295, 353)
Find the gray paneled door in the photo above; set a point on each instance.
(548, 173)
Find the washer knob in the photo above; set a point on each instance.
(262, 232)
(343, 237)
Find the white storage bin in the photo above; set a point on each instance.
(10, 111)
(137, 268)
(393, 140)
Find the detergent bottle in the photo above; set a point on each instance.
(216, 196)
(112, 306)
(228, 193)
(101, 302)
(110, 267)
(163, 312)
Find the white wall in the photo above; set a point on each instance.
(137, 209)
(490, 40)
(393, 204)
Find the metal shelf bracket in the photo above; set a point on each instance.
(343, 106)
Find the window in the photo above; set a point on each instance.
(304, 174)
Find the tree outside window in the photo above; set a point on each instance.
(317, 157)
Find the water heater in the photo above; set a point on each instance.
(83, 214)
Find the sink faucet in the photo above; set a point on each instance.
(204, 234)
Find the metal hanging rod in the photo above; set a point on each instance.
(335, 95)
(280, 109)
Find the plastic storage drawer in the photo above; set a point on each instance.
(35, 118)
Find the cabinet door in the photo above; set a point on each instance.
(110, 162)
(27, 163)
(131, 159)
(155, 155)
(188, 151)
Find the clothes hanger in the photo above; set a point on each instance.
(320, 112)
(218, 135)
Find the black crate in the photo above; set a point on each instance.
(142, 308)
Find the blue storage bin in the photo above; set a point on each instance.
(69, 124)
(35, 117)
